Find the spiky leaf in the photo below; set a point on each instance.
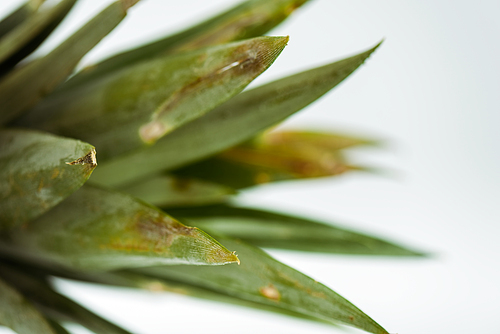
(37, 171)
(18, 16)
(231, 123)
(138, 105)
(273, 230)
(97, 229)
(246, 20)
(55, 305)
(30, 32)
(25, 86)
(18, 314)
(262, 279)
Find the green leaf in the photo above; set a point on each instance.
(55, 305)
(276, 156)
(18, 16)
(18, 314)
(25, 86)
(230, 124)
(273, 230)
(262, 279)
(169, 190)
(249, 19)
(138, 105)
(57, 327)
(96, 229)
(37, 171)
(31, 32)
(162, 284)
(242, 167)
(299, 139)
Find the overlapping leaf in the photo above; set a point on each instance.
(140, 104)
(18, 314)
(25, 86)
(262, 279)
(246, 20)
(274, 230)
(229, 124)
(55, 305)
(18, 16)
(27, 29)
(169, 190)
(96, 229)
(275, 156)
(37, 171)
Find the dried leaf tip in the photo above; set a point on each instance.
(88, 159)
(128, 3)
(236, 256)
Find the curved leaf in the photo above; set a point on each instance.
(230, 124)
(169, 190)
(138, 105)
(96, 229)
(25, 86)
(274, 230)
(18, 314)
(18, 16)
(28, 35)
(262, 279)
(246, 20)
(37, 171)
(55, 305)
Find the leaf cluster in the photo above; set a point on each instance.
(104, 170)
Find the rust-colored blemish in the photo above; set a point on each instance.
(55, 174)
(351, 318)
(270, 292)
(161, 231)
(300, 286)
(88, 159)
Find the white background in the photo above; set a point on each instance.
(432, 93)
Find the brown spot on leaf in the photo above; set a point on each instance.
(270, 292)
(55, 173)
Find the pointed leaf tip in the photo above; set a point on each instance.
(242, 63)
(97, 229)
(88, 159)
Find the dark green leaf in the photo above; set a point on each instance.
(135, 107)
(37, 171)
(162, 284)
(96, 229)
(18, 16)
(18, 314)
(25, 86)
(274, 230)
(247, 20)
(57, 327)
(28, 35)
(55, 305)
(230, 124)
(262, 279)
(168, 190)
